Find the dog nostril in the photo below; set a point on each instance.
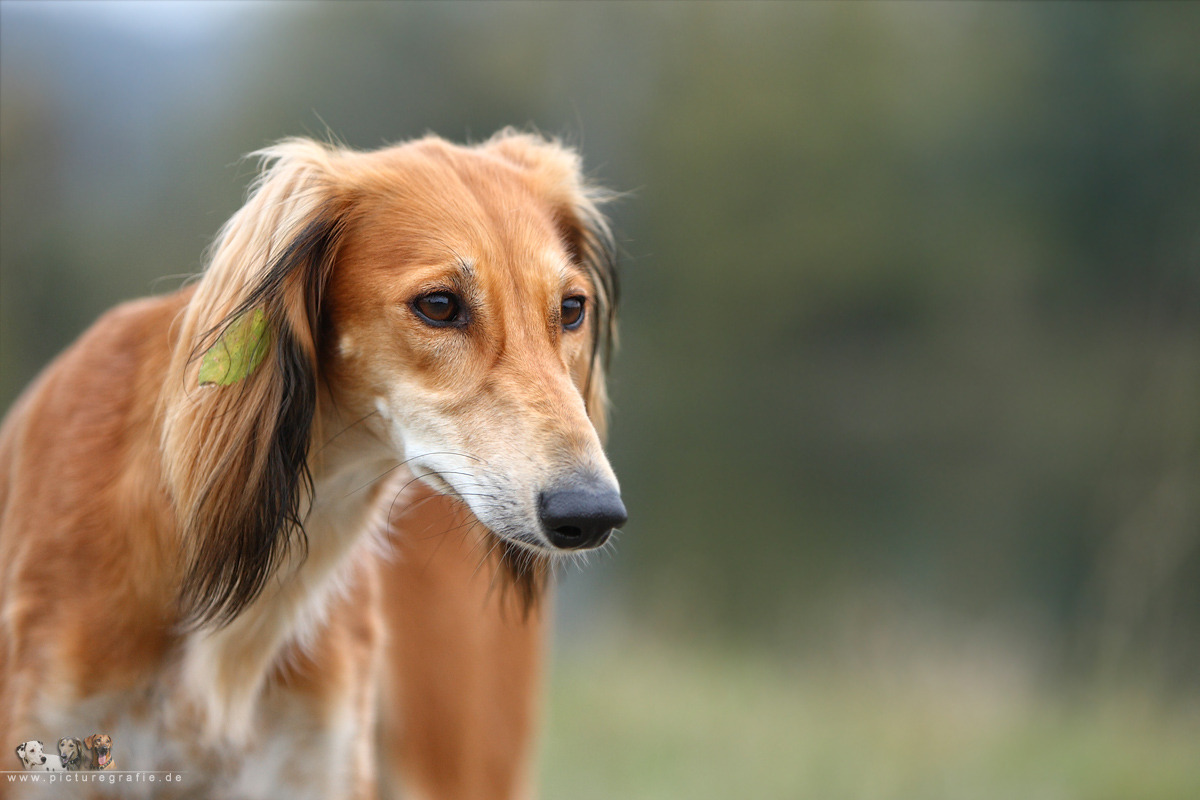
(575, 519)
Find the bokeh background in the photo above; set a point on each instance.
(907, 408)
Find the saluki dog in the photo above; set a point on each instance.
(242, 525)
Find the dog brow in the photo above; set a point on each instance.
(464, 272)
(463, 277)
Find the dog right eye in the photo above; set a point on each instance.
(439, 309)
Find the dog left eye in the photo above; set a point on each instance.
(439, 309)
(572, 312)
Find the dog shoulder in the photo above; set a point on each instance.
(95, 382)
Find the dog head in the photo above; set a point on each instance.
(100, 745)
(31, 754)
(70, 750)
(451, 306)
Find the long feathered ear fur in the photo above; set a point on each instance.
(555, 172)
(236, 453)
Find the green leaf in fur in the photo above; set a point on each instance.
(238, 352)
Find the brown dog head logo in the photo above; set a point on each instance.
(100, 744)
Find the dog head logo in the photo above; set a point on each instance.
(100, 746)
(31, 754)
(71, 751)
(33, 758)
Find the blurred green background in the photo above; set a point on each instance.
(907, 409)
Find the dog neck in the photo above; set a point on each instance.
(225, 669)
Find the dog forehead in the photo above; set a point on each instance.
(425, 204)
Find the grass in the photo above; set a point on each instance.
(650, 721)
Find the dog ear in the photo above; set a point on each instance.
(88, 741)
(555, 173)
(241, 402)
(21, 751)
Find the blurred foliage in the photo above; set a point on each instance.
(912, 291)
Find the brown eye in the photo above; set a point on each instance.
(572, 312)
(439, 309)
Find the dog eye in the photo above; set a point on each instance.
(572, 312)
(439, 309)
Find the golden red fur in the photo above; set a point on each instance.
(438, 323)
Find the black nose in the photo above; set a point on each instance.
(575, 519)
